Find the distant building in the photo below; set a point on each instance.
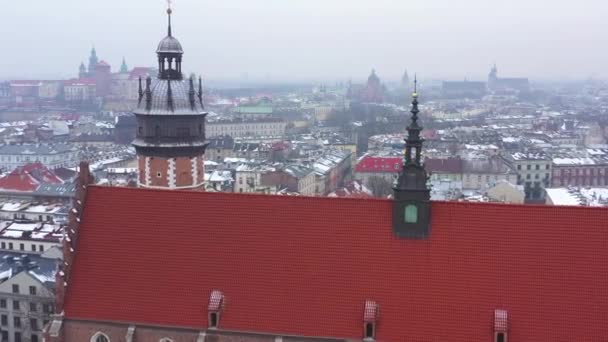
(499, 84)
(577, 196)
(533, 172)
(293, 177)
(255, 111)
(482, 174)
(463, 89)
(372, 92)
(80, 91)
(269, 127)
(590, 169)
(26, 297)
(52, 156)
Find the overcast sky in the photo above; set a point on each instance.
(313, 39)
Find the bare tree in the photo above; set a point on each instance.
(379, 186)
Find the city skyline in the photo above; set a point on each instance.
(340, 40)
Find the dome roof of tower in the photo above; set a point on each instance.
(169, 44)
(180, 99)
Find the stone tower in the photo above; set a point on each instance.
(170, 138)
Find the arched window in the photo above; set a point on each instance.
(100, 337)
(165, 339)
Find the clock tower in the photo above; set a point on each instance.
(411, 204)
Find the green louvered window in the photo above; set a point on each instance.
(411, 214)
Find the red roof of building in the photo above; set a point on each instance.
(307, 266)
(379, 164)
(29, 177)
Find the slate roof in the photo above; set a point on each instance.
(180, 95)
(306, 266)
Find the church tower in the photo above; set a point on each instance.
(124, 69)
(82, 71)
(411, 203)
(93, 60)
(170, 138)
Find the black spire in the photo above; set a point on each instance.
(413, 140)
(200, 91)
(411, 206)
(169, 11)
(140, 91)
(148, 93)
(191, 94)
(170, 53)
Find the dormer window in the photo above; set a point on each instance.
(216, 300)
(370, 318)
(501, 325)
(100, 337)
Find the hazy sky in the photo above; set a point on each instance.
(313, 39)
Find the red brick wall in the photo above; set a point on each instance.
(159, 165)
(183, 172)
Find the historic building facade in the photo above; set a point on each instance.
(170, 139)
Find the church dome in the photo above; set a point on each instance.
(169, 44)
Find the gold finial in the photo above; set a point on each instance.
(415, 94)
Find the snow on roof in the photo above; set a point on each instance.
(529, 156)
(573, 161)
(44, 278)
(25, 227)
(13, 206)
(12, 233)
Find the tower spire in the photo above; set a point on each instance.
(200, 91)
(191, 94)
(413, 142)
(169, 11)
(411, 207)
(140, 91)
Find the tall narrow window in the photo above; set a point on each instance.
(157, 130)
(213, 320)
(500, 337)
(411, 214)
(369, 330)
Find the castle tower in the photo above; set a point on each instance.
(411, 204)
(124, 69)
(93, 60)
(170, 139)
(82, 71)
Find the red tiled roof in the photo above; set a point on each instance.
(29, 177)
(379, 164)
(395, 164)
(305, 266)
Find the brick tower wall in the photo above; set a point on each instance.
(171, 173)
